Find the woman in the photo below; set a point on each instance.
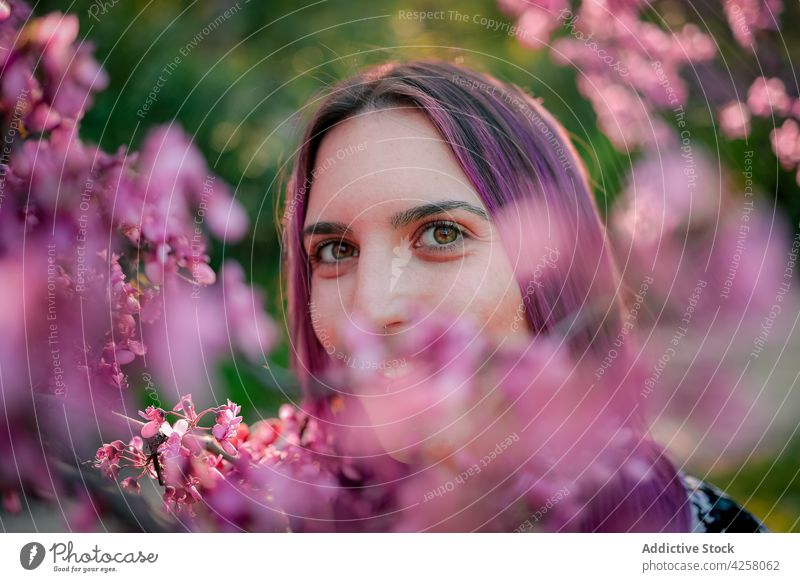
(429, 182)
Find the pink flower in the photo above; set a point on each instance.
(11, 502)
(748, 16)
(534, 28)
(226, 424)
(734, 120)
(180, 496)
(157, 418)
(108, 457)
(767, 97)
(136, 444)
(786, 143)
(187, 406)
(173, 455)
(131, 485)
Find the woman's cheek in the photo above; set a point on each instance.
(511, 319)
(322, 322)
(500, 304)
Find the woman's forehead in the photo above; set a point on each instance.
(383, 158)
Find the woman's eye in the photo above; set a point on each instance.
(441, 236)
(335, 251)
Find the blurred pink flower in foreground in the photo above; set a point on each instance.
(95, 251)
(712, 271)
(469, 438)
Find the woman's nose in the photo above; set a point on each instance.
(381, 296)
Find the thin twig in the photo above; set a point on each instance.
(128, 418)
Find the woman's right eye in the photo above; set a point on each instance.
(334, 252)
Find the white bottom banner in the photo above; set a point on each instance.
(401, 557)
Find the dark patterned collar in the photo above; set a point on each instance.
(714, 512)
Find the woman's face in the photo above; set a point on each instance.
(392, 218)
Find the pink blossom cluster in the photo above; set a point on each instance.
(180, 453)
(471, 437)
(224, 476)
(629, 68)
(103, 255)
(712, 275)
(767, 97)
(632, 66)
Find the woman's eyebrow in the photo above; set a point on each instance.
(416, 213)
(400, 219)
(326, 228)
